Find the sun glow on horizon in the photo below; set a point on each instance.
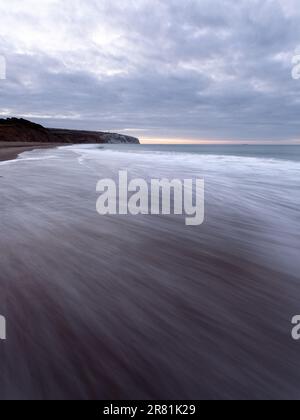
(180, 141)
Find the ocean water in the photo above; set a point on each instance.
(138, 307)
(281, 152)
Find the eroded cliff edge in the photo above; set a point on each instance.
(20, 130)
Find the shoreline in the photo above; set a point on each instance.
(12, 151)
(130, 306)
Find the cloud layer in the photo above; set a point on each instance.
(198, 69)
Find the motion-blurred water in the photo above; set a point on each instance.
(145, 307)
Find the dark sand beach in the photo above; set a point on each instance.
(10, 151)
(138, 307)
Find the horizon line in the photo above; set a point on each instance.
(204, 142)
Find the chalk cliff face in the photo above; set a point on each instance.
(20, 130)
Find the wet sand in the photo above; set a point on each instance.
(10, 151)
(124, 307)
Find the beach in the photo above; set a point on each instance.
(9, 151)
(144, 307)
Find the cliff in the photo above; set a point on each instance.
(20, 130)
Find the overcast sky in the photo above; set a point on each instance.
(162, 69)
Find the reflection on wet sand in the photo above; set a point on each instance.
(145, 307)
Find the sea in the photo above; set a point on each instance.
(145, 307)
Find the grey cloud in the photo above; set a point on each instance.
(195, 69)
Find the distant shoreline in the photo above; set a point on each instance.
(20, 130)
(10, 151)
